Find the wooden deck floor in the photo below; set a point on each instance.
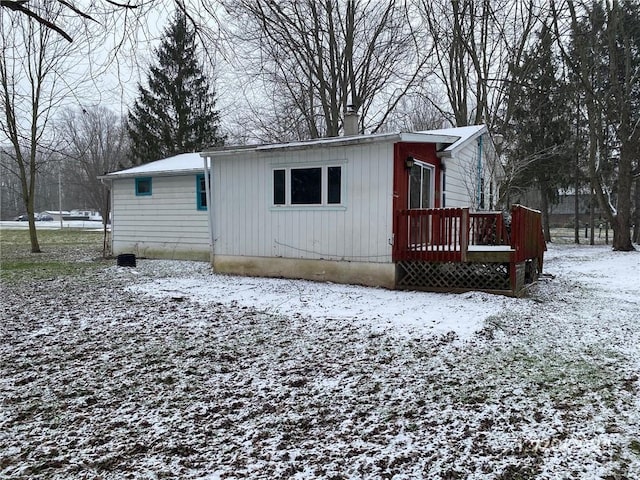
(490, 253)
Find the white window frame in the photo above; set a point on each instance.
(324, 181)
(432, 181)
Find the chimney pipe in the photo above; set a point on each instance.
(351, 120)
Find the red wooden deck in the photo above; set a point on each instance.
(456, 235)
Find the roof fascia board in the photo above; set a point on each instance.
(330, 142)
(447, 153)
(428, 138)
(163, 173)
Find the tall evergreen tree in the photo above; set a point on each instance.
(541, 125)
(176, 114)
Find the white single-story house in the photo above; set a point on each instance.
(159, 209)
(353, 209)
(325, 209)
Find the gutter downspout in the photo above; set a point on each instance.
(210, 206)
(479, 192)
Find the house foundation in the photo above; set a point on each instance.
(358, 273)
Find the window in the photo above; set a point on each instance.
(421, 186)
(334, 184)
(201, 192)
(279, 187)
(308, 186)
(143, 186)
(490, 195)
(444, 188)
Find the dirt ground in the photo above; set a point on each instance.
(112, 373)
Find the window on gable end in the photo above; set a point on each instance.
(143, 186)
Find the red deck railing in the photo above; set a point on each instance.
(445, 234)
(526, 234)
(433, 234)
(488, 228)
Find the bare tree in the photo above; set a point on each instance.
(11, 204)
(96, 144)
(35, 79)
(33, 12)
(319, 57)
(476, 46)
(417, 111)
(131, 15)
(604, 59)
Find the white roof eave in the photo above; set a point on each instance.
(338, 141)
(428, 138)
(181, 164)
(151, 173)
(467, 134)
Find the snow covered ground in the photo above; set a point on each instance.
(53, 225)
(170, 371)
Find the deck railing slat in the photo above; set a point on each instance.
(444, 234)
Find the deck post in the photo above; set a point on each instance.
(464, 234)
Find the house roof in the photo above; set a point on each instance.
(464, 134)
(434, 136)
(420, 137)
(183, 163)
(447, 139)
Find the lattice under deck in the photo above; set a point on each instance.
(455, 276)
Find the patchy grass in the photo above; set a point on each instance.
(19, 239)
(64, 253)
(563, 236)
(13, 270)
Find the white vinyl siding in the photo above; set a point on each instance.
(358, 229)
(462, 176)
(165, 224)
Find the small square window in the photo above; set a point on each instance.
(143, 186)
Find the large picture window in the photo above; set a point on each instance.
(143, 186)
(308, 186)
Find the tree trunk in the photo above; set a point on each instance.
(592, 217)
(33, 236)
(576, 197)
(28, 185)
(636, 213)
(622, 220)
(105, 212)
(576, 215)
(544, 208)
